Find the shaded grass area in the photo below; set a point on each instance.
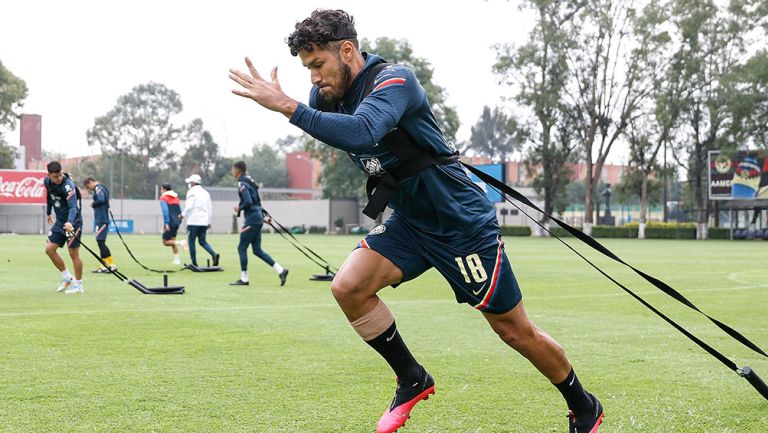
(266, 358)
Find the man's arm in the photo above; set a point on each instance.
(72, 202)
(189, 203)
(245, 196)
(396, 91)
(48, 202)
(166, 213)
(209, 208)
(99, 196)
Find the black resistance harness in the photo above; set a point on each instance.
(412, 158)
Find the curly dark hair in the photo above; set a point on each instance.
(323, 29)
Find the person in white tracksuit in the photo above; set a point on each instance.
(198, 212)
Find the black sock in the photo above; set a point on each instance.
(576, 397)
(392, 348)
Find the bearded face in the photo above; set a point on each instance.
(328, 72)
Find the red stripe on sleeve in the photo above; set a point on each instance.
(389, 82)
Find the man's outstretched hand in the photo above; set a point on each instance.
(266, 93)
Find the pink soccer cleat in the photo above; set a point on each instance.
(409, 392)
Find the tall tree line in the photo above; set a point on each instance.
(143, 145)
(13, 91)
(662, 75)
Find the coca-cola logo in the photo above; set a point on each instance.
(28, 187)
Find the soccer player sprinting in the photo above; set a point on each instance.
(441, 219)
(63, 198)
(100, 207)
(171, 207)
(250, 233)
(198, 213)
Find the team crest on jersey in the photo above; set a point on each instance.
(379, 229)
(372, 166)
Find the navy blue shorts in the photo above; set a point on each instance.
(58, 236)
(171, 233)
(101, 231)
(477, 269)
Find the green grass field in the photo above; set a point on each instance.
(266, 358)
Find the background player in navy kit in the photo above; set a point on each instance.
(441, 218)
(63, 199)
(100, 207)
(250, 233)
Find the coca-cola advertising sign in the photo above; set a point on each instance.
(22, 187)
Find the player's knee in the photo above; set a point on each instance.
(345, 287)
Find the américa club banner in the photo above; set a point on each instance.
(740, 175)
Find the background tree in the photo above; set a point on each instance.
(8, 154)
(610, 79)
(495, 135)
(634, 185)
(202, 154)
(13, 91)
(266, 166)
(123, 175)
(555, 174)
(660, 115)
(539, 71)
(716, 43)
(749, 125)
(141, 129)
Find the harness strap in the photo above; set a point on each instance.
(664, 287)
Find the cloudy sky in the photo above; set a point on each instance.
(78, 57)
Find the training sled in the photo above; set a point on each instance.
(327, 276)
(195, 268)
(754, 380)
(164, 290)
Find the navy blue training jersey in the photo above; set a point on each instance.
(100, 204)
(62, 198)
(440, 200)
(250, 203)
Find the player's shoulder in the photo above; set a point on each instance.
(393, 75)
(69, 184)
